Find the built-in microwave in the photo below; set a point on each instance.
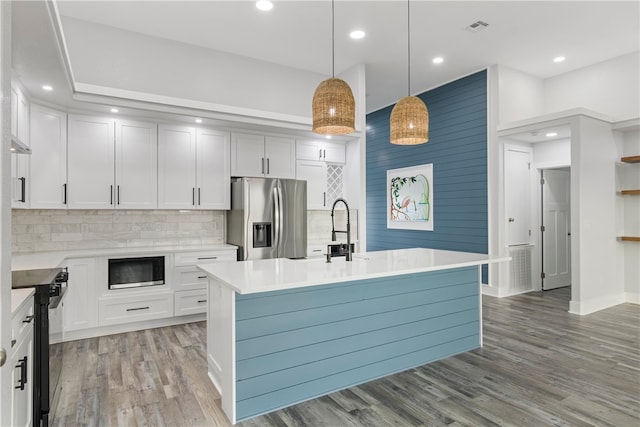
(136, 272)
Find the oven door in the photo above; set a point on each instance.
(56, 346)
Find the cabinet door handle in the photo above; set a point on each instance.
(202, 277)
(324, 154)
(207, 257)
(23, 189)
(193, 196)
(324, 198)
(138, 308)
(118, 196)
(267, 166)
(202, 300)
(320, 154)
(22, 364)
(111, 194)
(27, 319)
(262, 165)
(199, 196)
(64, 193)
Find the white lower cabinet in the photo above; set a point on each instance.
(129, 307)
(21, 359)
(190, 302)
(191, 283)
(80, 310)
(91, 309)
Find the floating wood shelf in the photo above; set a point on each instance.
(630, 192)
(630, 239)
(630, 159)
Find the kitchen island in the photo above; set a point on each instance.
(282, 331)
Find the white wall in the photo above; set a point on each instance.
(595, 281)
(521, 95)
(105, 58)
(611, 87)
(551, 154)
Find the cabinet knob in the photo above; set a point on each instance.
(511, 219)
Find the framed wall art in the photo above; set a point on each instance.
(410, 198)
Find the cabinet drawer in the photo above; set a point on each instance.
(190, 278)
(190, 302)
(130, 308)
(193, 258)
(22, 321)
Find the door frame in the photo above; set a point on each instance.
(539, 206)
(5, 209)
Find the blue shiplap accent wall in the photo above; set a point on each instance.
(299, 344)
(457, 148)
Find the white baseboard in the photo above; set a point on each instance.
(494, 291)
(130, 327)
(633, 297)
(596, 304)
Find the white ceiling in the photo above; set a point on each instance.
(524, 35)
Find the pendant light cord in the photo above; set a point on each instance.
(408, 50)
(333, 41)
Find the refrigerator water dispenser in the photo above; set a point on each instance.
(261, 234)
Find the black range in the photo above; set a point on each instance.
(50, 285)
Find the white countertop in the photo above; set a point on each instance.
(34, 260)
(249, 277)
(19, 297)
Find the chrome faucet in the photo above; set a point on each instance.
(334, 231)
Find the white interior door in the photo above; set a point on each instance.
(556, 222)
(517, 181)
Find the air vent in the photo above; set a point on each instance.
(477, 26)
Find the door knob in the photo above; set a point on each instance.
(3, 356)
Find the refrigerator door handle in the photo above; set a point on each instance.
(277, 215)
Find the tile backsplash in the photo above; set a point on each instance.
(50, 230)
(53, 230)
(319, 225)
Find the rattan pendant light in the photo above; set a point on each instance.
(409, 118)
(334, 108)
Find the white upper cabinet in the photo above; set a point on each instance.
(332, 152)
(48, 158)
(247, 155)
(91, 164)
(260, 156)
(19, 162)
(193, 168)
(315, 173)
(176, 167)
(106, 171)
(213, 176)
(136, 165)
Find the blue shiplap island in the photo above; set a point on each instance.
(283, 331)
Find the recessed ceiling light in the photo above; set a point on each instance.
(114, 110)
(356, 34)
(198, 120)
(328, 136)
(47, 88)
(438, 60)
(264, 5)
(559, 59)
(552, 134)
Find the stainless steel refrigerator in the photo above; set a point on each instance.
(268, 218)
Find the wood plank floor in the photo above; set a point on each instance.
(540, 366)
